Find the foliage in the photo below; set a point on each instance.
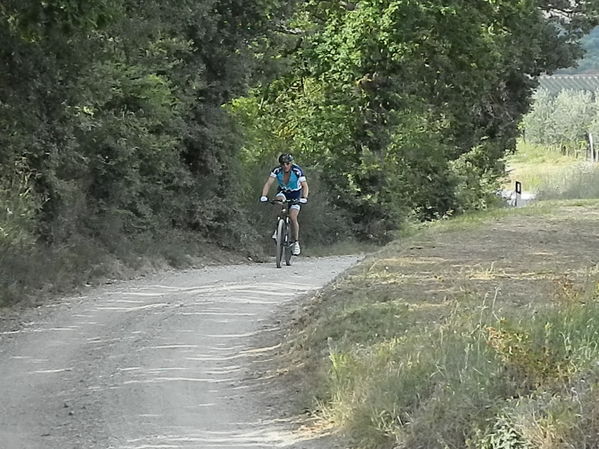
(409, 108)
(18, 208)
(562, 121)
(115, 113)
(135, 120)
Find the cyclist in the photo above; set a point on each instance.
(291, 184)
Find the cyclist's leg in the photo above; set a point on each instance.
(293, 213)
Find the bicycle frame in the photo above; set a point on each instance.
(283, 232)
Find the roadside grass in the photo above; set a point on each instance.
(580, 181)
(474, 219)
(344, 247)
(460, 371)
(552, 175)
(536, 166)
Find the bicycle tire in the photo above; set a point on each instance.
(287, 244)
(280, 243)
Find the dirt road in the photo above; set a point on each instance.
(164, 362)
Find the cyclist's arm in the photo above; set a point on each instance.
(305, 189)
(267, 185)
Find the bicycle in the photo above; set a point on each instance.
(284, 245)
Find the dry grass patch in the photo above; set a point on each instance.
(462, 338)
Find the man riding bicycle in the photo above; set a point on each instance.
(291, 185)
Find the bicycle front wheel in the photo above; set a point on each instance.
(280, 242)
(287, 245)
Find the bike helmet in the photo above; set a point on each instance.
(285, 157)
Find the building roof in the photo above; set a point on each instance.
(556, 83)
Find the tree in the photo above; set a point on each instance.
(115, 109)
(404, 96)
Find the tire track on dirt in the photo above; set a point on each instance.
(162, 362)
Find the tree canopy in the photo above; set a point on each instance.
(408, 108)
(125, 118)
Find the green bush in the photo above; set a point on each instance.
(18, 208)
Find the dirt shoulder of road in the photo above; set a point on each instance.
(29, 306)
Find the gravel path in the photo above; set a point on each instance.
(168, 361)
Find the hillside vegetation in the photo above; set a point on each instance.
(140, 132)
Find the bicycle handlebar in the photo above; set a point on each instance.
(275, 201)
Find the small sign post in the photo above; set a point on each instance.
(518, 192)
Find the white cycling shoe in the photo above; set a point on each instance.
(295, 250)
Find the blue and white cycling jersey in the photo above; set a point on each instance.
(294, 183)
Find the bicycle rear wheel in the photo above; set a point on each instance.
(280, 242)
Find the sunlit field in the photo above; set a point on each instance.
(552, 175)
